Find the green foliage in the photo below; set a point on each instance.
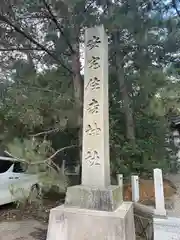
(33, 156)
(40, 92)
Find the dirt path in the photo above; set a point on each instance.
(23, 230)
(29, 223)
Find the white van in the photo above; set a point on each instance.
(15, 183)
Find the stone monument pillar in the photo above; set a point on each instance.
(96, 110)
(94, 209)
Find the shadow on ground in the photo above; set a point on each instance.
(39, 234)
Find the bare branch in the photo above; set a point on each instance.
(47, 161)
(53, 165)
(61, 150)
(174, 4)
(13, 159)
(53, 18)
(45, 132)
(88, 6)
(26, 35)
(85, 10)
(19, 49)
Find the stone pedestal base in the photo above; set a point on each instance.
(101, 199)
(82, 224)
(160, 212)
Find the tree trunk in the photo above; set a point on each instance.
(78, 92)
(130, 133)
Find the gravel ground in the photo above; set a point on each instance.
(23, 230)
(29, 223)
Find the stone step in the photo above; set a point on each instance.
(167, 229)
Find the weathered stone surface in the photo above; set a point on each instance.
(95, 150)
(135, 188)
(82, 224)
(159, 193)
(167, 228)
(103, 199)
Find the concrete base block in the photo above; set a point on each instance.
(160, 212)
(82, 224)
(101, 199)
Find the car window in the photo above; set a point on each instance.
(18, 167)
(5, 165)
